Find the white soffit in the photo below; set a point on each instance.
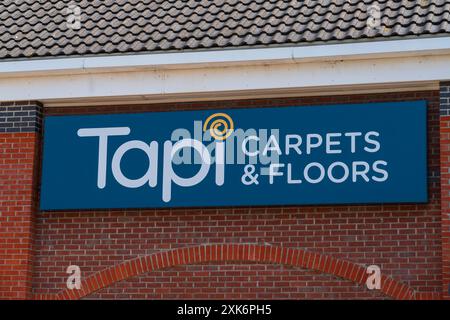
(213, 73)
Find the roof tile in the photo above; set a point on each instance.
(38, 28)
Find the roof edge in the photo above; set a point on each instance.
(221, 58)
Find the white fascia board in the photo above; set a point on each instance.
(219, 80)
(230, 57)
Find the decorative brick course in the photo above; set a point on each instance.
(232, 253)
(445, 98)
(23, 116)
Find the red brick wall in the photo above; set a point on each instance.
(17, 161)
(445, 203)
(403, 239)
(445, 182)
(20, 123)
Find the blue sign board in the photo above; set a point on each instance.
(333, 154)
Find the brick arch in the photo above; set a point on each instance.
(229, 253)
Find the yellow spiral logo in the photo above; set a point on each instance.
(220, 126)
